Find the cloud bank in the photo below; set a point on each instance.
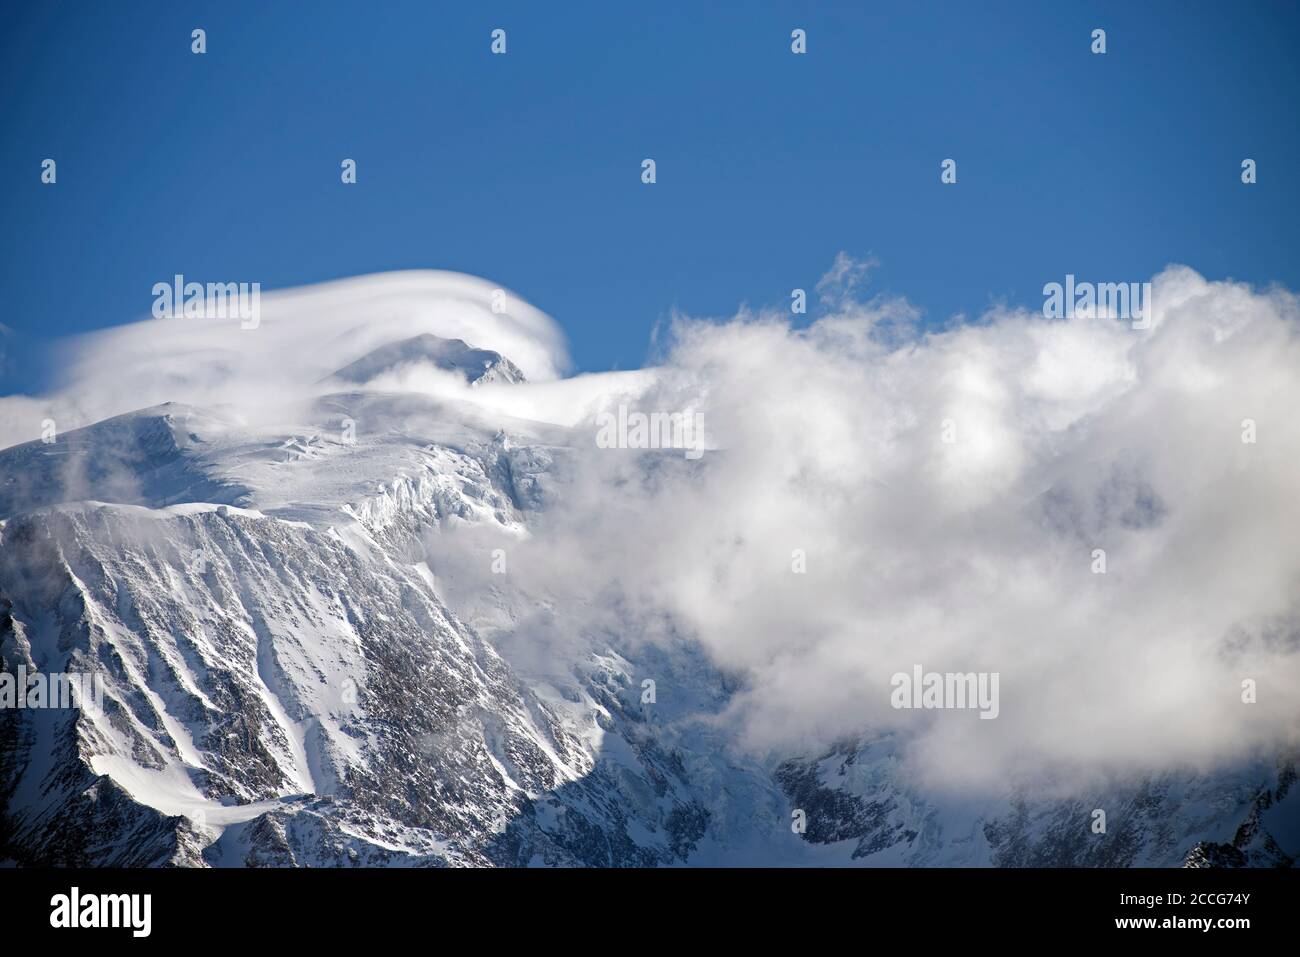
(978, 554)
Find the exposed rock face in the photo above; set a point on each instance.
(855, 794)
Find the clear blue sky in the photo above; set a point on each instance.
(525, 168)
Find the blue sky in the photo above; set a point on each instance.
(525, 168)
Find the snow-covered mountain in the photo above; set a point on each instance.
(478, 366)
(300, 669)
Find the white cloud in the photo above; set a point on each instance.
(977, 555)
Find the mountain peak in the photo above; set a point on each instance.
(452, 355)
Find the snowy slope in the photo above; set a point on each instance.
(284, 683)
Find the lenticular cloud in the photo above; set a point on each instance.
(301, 337)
